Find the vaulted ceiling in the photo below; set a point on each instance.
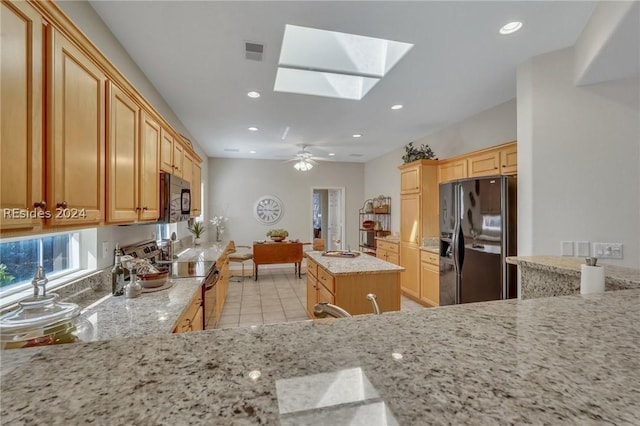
(193, 52)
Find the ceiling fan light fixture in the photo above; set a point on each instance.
(303, 166)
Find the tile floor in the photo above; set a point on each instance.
(278, 296)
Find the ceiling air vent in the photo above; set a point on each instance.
(231, 150)
(355, 155)
(253, 51)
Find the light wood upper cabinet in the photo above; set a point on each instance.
(149, 176)
(196, 190)
(509, 159)
(122, 146)
(484, 164)
(178, 159)
(166, 151)
(187, 168)
(502, 159)
(410, 179)
(76, 135)
(21, 116)
(452, 170)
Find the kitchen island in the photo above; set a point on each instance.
(346, 282)
(571, 359)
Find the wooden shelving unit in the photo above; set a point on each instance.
(375, 221)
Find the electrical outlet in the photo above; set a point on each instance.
(582, 248)
(566, 248)
(607, 250)
(105, 249)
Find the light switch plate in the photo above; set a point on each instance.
(566, 248)
(582, 248)
(105, 249)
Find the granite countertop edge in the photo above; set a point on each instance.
(614, 274)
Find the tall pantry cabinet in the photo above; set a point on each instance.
(418, 218)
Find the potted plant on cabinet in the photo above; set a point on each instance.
(197, 229)
(277, 235)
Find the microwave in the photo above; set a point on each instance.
(175, 199)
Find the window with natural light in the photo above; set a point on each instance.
(19, 258)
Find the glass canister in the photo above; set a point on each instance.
(41, 321)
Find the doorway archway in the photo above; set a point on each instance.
(327, 216)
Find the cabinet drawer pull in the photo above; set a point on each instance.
(41, 204)
(62, 205)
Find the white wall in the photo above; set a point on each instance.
(578, 159)
(236, 184)
(490, 127)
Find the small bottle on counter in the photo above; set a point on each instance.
(133, 289)
(117, 275)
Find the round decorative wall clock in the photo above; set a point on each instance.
(268, 209)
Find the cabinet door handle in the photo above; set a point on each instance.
(504, 165)
(495, 167)
(144, 208)
(40, 204)
(62, 205)
(137, 209)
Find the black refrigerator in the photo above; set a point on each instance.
(478, 230)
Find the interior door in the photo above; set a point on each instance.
(334, 220)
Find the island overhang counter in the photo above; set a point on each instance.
(569, 359)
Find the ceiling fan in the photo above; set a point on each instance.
(304, 160)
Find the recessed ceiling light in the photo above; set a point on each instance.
(397, 106)
(511, 27)
(253, 129)
(252, 152)
(331, 154)
(357, 135)
(253, 94)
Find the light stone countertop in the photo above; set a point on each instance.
(204, 251)
(151, 313)
(363, 264)
(559, 360)
(616, 277)
(432, 249)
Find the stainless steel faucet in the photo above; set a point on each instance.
(39, 280)
(322, 309)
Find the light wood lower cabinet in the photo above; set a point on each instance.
(410, 255)
(222, 287)
(429, 278)
(389, 251)
(192, 317)
(349, 291)
(21, 117)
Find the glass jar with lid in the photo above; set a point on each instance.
(42, 320)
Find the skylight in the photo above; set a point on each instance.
(327, 63)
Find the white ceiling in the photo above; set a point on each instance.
(193, 53)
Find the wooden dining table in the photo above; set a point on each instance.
(271, 252)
